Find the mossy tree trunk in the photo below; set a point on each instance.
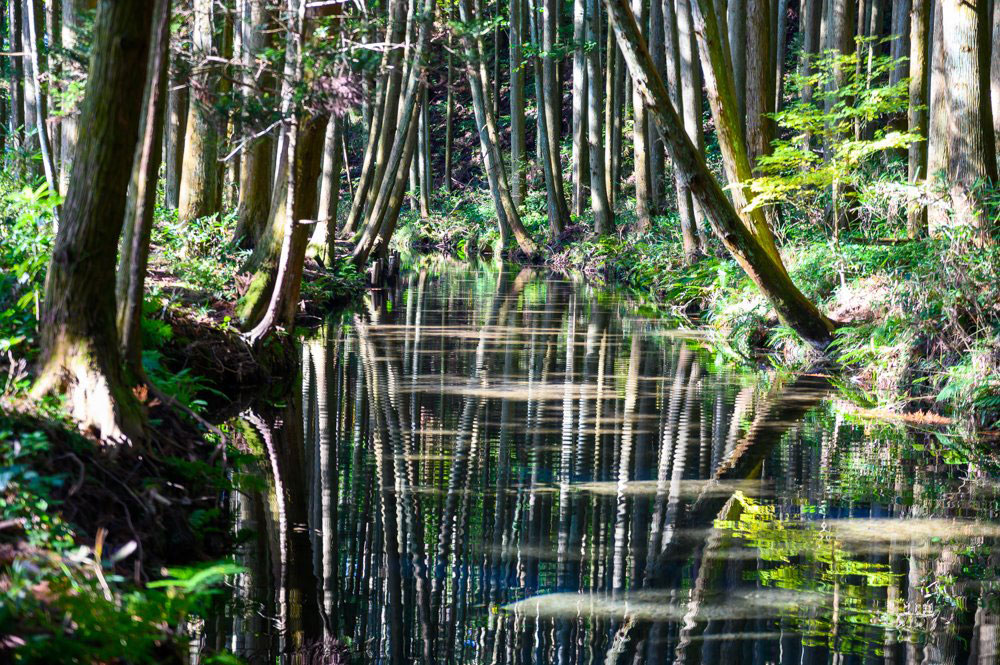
(80, 354)
(791, 306)
(920, 39)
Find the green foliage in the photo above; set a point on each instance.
(796, 173)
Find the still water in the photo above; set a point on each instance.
(492, 466)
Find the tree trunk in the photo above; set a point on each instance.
(488, 138)
(614, 91)
(552, 105)
(518, 134)
(329, 190)
(971, 144)
(80, 353)
(580, 84)
(937, 119)
(722, 99)
(901, 10)
(34, 16)
(199, 188)
(780, 52)
(995, 76)
(72, 24)
(599, 204)
(305, 152)
(738, 15)
(640, 139)
(793, 308)
(676, 69)
(141, 200)
(256, 168)
(176, 120)
(759, 79)
(449, 115)
(16, 82)
(658, 53)
(920, 38)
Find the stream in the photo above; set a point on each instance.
(492, 465)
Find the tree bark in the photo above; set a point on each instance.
(16, 82)
(176, 120)
(199, 187)
(900, 52)
(738, 15)
(780, 52)
(552, 105)
(33, 18)
(256, 167)
(80, 353)
(518, 134)
(920, 38)
(937, 130)
(677, 69)
(793, 308)
(580, 84)
(640, 139)
(971, 144)
(599, 204)
(657, 52)
(141, 202)
(72, 24)
(329, 191)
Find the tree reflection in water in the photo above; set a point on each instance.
(495, 467)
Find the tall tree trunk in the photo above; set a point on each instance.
(995, 76)
(558, 211)
(759, 79)
(793, 308)
(518, 134)
(675, 70)
(599, 204)
(580, 84)
(329, 190)
(614, 93)
(256, 167)
(552, 105)
(900, 52)
(134, 255)
(937, 130)
(449, 115)
(738, 15)
(488, 138)
(920, 39)
(640, 138)
(971, 144)
(17, 89)
(780, 52)
(424, 163)
(199, 188)
(80, 353)
(71, 27)
(732, 142)
(176, 121)
(658, 53)
(305, 152)
(34, 16)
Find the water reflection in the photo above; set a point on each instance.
(492, 467)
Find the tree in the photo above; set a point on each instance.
(640, 140)
(763, 267)
(199, 183)
(917, 112)
(598, 193)
(518, 135)
(80, 354)
(971, 144)
(134, 254)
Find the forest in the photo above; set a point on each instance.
(506, 331)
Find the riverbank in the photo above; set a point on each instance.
(104, 546)
(919, 320)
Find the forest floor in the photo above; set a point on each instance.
(920, 331)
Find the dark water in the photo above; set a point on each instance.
(498, 467)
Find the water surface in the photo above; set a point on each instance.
(493, 466)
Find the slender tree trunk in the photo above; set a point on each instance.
(658, 53)
(34, 15)
(937, 129)
(80, 353)
(780, 52)
(449, 133)
(920, 38)
(580, 84)
(900, 52)
(603, 220)
(72, 24)
(995, 76)
(256, 167)
(759, 79)
(305, 152)
(793, 308)
(134, 255)
(640, 139)
(177, 114)
(518, 134)
(615, 92)
(199, 187)
(675, 65)
(971, 144)
(329, 190)
(488, 139)
(17, 90)
(739, 14)
(552, 105)
(424, 163)
(29, 99)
